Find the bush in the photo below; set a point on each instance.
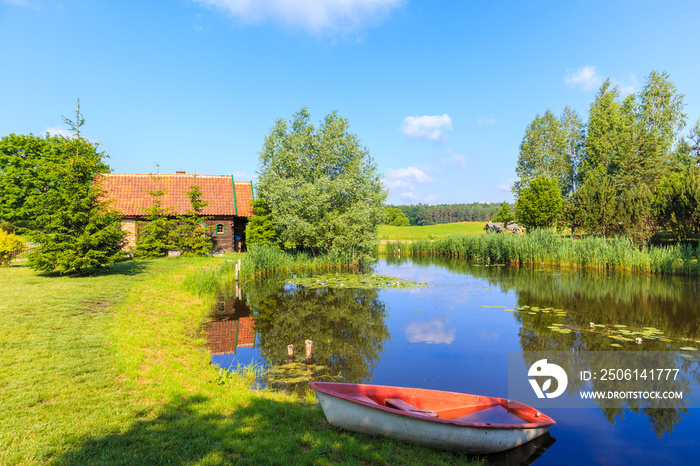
(10, 246)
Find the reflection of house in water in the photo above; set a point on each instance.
(232, 327)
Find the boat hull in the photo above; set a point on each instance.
(475, 439)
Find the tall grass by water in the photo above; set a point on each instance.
(259, 260)
(549, 248)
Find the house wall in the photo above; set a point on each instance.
(231, 240)
(233, 237)
(129, 226)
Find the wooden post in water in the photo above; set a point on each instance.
(238, 268)
(309, 351)
(290, 353)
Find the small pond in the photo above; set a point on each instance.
(456, 335)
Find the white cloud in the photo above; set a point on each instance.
(433, 332)
(410, 196)
(427, 127)
(53, 131)
(408, 175)
(403, 181)
(506, 186)
(587, 78)
(455, 159)
(314, 16)
(244, 176)
(486, 121)
(627, 86)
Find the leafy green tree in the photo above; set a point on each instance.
(190, 234)
(636, 215)
(260, 228)
(573, 133)
(687, 152)
(596, 204)
(395, 217)
(27, 173)
(603, 130)
(76, 230)
(539, 204)
(323, 189)
(504, 214)
(542, 152)
(694, 144)
(661, 109)
(678, 200)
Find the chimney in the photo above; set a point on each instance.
(180, 172)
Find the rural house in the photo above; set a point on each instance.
(230, 203)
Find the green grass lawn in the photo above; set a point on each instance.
(392, 233)
(112, 369)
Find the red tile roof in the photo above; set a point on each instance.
(225, 336)
(130, 193)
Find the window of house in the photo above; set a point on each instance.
(219, 228)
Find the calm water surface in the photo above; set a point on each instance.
(453, 336)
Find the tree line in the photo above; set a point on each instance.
(628, 170)
(444, 213)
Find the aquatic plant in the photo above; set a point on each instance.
(548, 248)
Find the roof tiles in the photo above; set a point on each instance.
(129, 193)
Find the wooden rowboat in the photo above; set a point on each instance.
(448, 420)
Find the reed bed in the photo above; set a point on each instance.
(259, 260)
(548, 248)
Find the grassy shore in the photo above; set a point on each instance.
(112, 369)
(410, 233)
(546, 247)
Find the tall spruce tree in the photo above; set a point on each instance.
(76, 230)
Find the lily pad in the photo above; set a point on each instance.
(688, 348)
(615, 345)
(349, 280)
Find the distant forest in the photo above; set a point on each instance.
(448, 213)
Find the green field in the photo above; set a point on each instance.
(112, 368)
(392, 233)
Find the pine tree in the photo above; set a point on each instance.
(156, 234)
(76, 229)
(190, 235)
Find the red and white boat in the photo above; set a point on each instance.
(455, 421)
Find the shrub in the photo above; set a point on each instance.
(10, 246)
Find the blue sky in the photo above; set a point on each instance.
(440, 92)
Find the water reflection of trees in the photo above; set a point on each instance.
(641, 300)
(347, 326)
(636, 300)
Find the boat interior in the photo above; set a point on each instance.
(449, 406)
